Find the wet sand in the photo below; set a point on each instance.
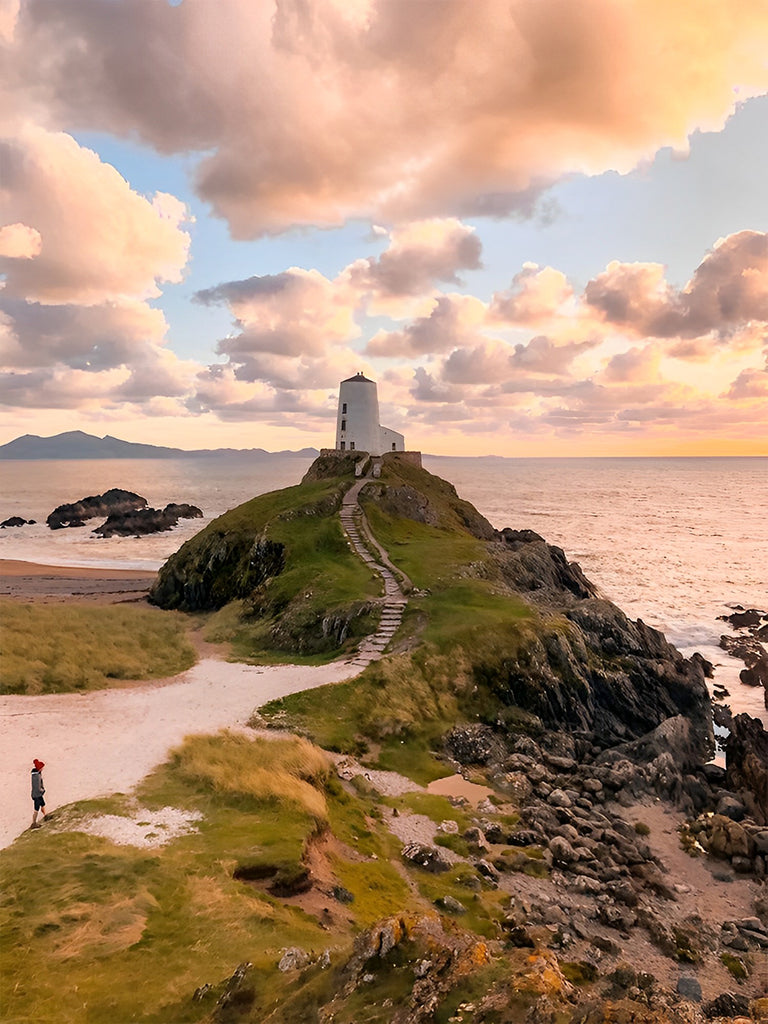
(30, 581)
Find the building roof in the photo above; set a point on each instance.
(358, 377)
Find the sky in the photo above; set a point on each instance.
(541, 226)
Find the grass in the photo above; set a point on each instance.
(297, 597)
(129, 934)
(59, 648)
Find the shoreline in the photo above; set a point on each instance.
(33, 581)
(17, 568)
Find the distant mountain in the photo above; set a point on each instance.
(75, 444)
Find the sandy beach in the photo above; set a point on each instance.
(30, 581)
(106, 741)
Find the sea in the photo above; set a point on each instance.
(677, 542)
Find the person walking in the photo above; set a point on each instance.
(38, 791)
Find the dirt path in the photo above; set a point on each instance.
(103, 742)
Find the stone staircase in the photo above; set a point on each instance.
(394, 601)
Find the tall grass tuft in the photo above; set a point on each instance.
(266, 771)
(58, 648)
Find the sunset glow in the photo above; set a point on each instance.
(541, 228)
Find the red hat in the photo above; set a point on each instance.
(38, 764)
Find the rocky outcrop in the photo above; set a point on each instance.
(143, 521)
(224, 567)
(749, 645)
(532, 565)
(16, 521)
(602, 675)
(746, 764)
(111, 502)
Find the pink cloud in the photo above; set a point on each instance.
(728, 289)
(99, 239)
(19, 242)
(312, 112)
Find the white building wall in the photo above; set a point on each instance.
(391, 441)
(357, 420)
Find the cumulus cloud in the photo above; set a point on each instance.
(306, 110)
(728, 289)
(419, 254)
(298, 312)
(454, 320)
(19, 242)
(97, 238)
(536, 294)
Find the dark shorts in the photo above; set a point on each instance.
(38, 802)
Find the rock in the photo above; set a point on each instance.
(450, 905)
(562, 851)
(16, 521)
(239, 993)
(473, 744)
(728, 1004)
(143, 521)
(730, 807)
(756, 674)
(293, 959)
(743, 617)
(487, 870)
(557, 798)
(746, 764)
(474, 836)
(430, 858)
(449, 827)
(342, 895)
(689, 988)
(112, 501)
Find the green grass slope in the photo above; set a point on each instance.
(280, 568)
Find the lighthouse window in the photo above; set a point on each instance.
(393, 446)
(352, 445)
(343, 445)
(343, 424)
(344, 407)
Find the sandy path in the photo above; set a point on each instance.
(104, 742)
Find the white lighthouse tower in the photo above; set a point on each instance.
(357, 421)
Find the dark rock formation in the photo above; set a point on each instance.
(16, 521)
(746, 764)
(530, 564)
(111, 502)
(139, 522)
(224, 567)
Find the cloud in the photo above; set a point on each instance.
(312, 113)
(19, 242)
(420, 254)
(89, 338)
(298, 312)
(749, 384)
(455, 320)
(537, 294)
(728, 289)
(98, 239)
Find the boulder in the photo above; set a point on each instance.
(728, 1004)
(112, 501)
(293, 959)
(430, 858)
(16, 521)
(746, 764)
(140, 522)
(689, 988)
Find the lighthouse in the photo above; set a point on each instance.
(357, 420)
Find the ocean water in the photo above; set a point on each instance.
(675, 542)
